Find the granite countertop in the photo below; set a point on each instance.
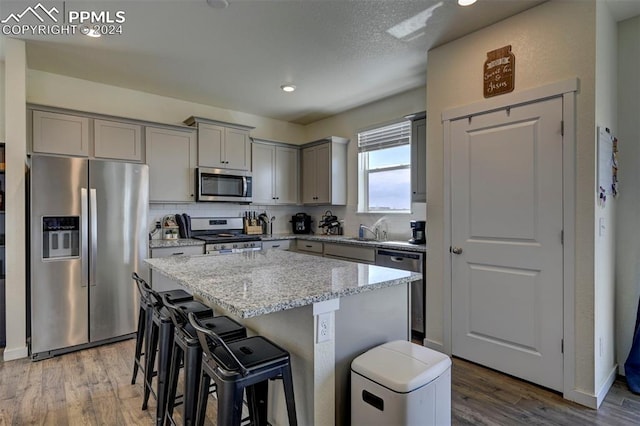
(345, 239)
(181, 242)
(338, 239)
(257, 283)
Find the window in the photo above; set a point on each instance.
(384, 165)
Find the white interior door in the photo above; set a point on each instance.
(506, 233)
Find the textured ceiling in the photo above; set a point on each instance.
(339, 54)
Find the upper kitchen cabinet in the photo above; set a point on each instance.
(275, 173)
(64, 134)
(117, 141)
(222, 145)
(171, 156)
(418, 157)
(324, 172)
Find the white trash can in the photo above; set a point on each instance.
(401, 383)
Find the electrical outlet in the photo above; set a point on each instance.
(323, 333)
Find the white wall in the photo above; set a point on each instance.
(628, 202)
(66, 92)
(347, 125)
(552, 42)
(16, 137)
(604, 264)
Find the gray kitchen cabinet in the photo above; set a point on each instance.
(276, 244)
(56, 133)
(275, 173)
(324, 172)
(222, 145)
(350, 252)
(419, 159)
(117, 141)
(309, 247)
(158, 281)
(171, 156)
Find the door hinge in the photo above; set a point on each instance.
(561, 345)
(562, 128)
(562, 237)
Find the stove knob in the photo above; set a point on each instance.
(235, 246)
(222, 247)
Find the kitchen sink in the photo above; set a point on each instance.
(371, 240)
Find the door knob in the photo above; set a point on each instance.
(456, 250)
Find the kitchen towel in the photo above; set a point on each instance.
(632, 364)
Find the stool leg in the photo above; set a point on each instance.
(287, 381)
(140, 334)
(165, 344)
(172, 383)
(203, 395)
(192, 367)
(150, 359)
(229, 404)
(257, 397)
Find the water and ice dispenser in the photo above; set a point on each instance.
(60, 237)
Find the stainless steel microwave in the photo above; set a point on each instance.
(223, 185)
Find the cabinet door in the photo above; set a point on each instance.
(276, 244)
(171, 156)
(118, 141)
(263, 173)
(210, 142)
(237, 149)
(418, 161)
(309, 175)
(286, 175)
(64, 134)
(323, 174)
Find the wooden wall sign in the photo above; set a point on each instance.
(499, 72)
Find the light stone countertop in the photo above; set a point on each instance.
(338, 239)
(257, 283)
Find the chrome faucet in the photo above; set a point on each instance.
(374, 231)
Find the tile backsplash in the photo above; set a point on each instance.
(396, 225)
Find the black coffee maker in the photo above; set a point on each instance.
(417, 232)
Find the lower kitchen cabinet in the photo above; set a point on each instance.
(350, 252)
(158, 281)
(309, 247)
(276, 244)
(171, 156)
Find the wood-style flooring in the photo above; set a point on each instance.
(93, 387)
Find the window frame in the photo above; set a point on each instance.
(364, 171)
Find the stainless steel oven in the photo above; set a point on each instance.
(223, 185)
(223, 235)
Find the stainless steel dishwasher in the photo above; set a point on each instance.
(408, 261)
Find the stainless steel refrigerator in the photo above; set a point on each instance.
(87, 234)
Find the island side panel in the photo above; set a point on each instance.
(364, 321)
(292, 329)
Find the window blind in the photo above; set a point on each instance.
(388, 136)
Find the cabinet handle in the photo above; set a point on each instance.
(177, 254)
(275, 246)
(308, 246)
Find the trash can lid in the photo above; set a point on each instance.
(401, 366)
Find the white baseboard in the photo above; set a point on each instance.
(15, 353)
(604, 389)
(582, 398)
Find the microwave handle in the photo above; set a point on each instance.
(245, 186)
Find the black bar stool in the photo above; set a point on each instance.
(235, 366)
(160, 341)
(186, 347)
(175, 296)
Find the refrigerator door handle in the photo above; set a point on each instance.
(93, 217)
(84, 247)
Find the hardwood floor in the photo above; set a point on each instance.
(92, 387)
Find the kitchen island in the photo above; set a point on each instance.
(282, 295)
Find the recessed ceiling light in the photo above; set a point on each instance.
(466, 2)
(288, 87)
(218, 4)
